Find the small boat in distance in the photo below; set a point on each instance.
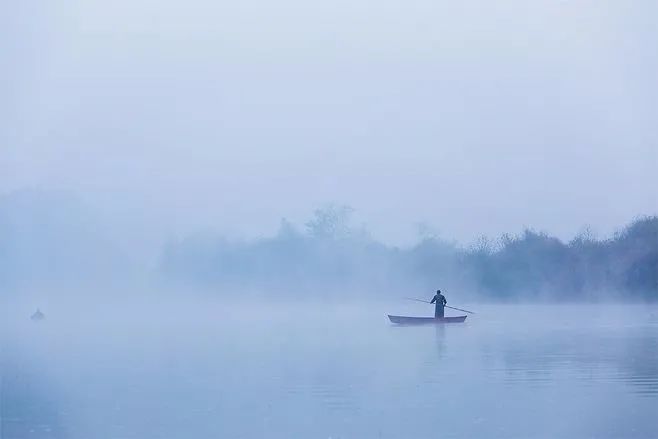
(402, 320)
(38, 315)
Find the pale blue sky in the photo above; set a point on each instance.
(478, 117)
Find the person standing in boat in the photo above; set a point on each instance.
(440, 302)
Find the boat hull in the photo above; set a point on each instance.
(403, 320)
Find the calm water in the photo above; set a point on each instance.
(309, 371)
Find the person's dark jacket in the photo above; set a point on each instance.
(440, 301)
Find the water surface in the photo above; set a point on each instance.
(340, 371)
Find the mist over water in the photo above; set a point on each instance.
(287, 335)
(182, 369)
(216, 204)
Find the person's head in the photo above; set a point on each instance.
(438, 291)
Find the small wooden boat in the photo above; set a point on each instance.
(402, 320)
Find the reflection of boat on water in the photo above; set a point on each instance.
(38, 315)
(403, 320)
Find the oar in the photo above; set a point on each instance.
(451, 307)
(459, 309)
(418, 300)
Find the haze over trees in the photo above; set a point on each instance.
(51, 240)
(332, 257)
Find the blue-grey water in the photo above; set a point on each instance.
(312, 370)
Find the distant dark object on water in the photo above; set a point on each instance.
(403, 320)
(38, 315)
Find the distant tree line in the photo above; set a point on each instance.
(330, 256)
(53, 242)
